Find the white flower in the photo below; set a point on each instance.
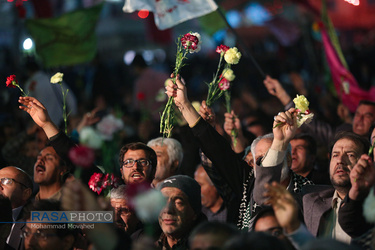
(161, 96)
(90, 137)
(304, 119)
(199, 42)
(369, 207)
(108, 126)
(57, 78)
(148, 205)
(228, 74)
(232, 56)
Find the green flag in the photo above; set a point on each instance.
(66, 40)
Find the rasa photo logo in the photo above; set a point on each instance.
(71, 217)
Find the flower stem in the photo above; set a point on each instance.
(64, 94)
(19, 87)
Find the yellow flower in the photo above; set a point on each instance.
(232, 56)
(301, 103)
(228, 74)
(57, 78)
(196, 105)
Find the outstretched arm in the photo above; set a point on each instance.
(276, 89)
(39, 114)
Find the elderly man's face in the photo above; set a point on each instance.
(164, 168)
(137, 173)
(301, 160)
(345, 154)
(262, 147)
(210, 198)
(125, 218)
(177, 216)
(17, 192)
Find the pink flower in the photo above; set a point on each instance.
(100, 182)
(190, 42)
(95, 183)
(221, 49)
(11, 80)
(134, 189)
(224, 84)
(82, 156)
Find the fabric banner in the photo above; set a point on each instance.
(168, 13)
(66, 40)
(346, 85)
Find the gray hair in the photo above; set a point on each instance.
(174, 148)
(269, 136)
(119, 193)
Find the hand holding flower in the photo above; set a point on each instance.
(285, 128)
(207, 113)
(39, 114)
(12, 83)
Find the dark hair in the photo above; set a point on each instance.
(254, 241)
(224, 230)
(150, 153)
(311, 142)
(366, 102)
(358, 140)
(266, 211)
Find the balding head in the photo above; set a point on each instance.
(15, 184)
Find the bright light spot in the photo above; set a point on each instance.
(257, 13)
(354, 2)
(148, 55)
(129, 57)
(143, 13)
(27, 44)
(234, 18)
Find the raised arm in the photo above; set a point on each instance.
(275, 88)
(39, 114)
(232, 122)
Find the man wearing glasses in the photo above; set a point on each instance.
(137, 162)
(16, 185)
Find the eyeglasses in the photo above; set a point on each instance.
(130, 163)
(38, 234)
(9, 181)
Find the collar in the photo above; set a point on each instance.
(336, 200)
(16, 212)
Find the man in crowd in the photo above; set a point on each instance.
(181, 213)
(45, 235)
(303, 158)
(124, 217)
(212, 204)
(16, 185)
(324, 133)
(169, 154)
(138, 163)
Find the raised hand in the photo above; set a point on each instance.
(284, 129)
(284, 206)
(276, 89)
(88, 119)
(362, 177)
(39, 114)
(177, 91)
(231, 122)
(207, 113)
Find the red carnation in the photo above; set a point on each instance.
(82, 156)
(190, 41)
(11, 80)
(224, 84)
(221, 49)
(95, 182)
(141, 96)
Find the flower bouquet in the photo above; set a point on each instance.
(103, 183)
(221, 83)
(189, 42)
(302, 109)
(12, 83)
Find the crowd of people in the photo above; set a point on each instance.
(269, 186)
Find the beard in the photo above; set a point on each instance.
(341, 185)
